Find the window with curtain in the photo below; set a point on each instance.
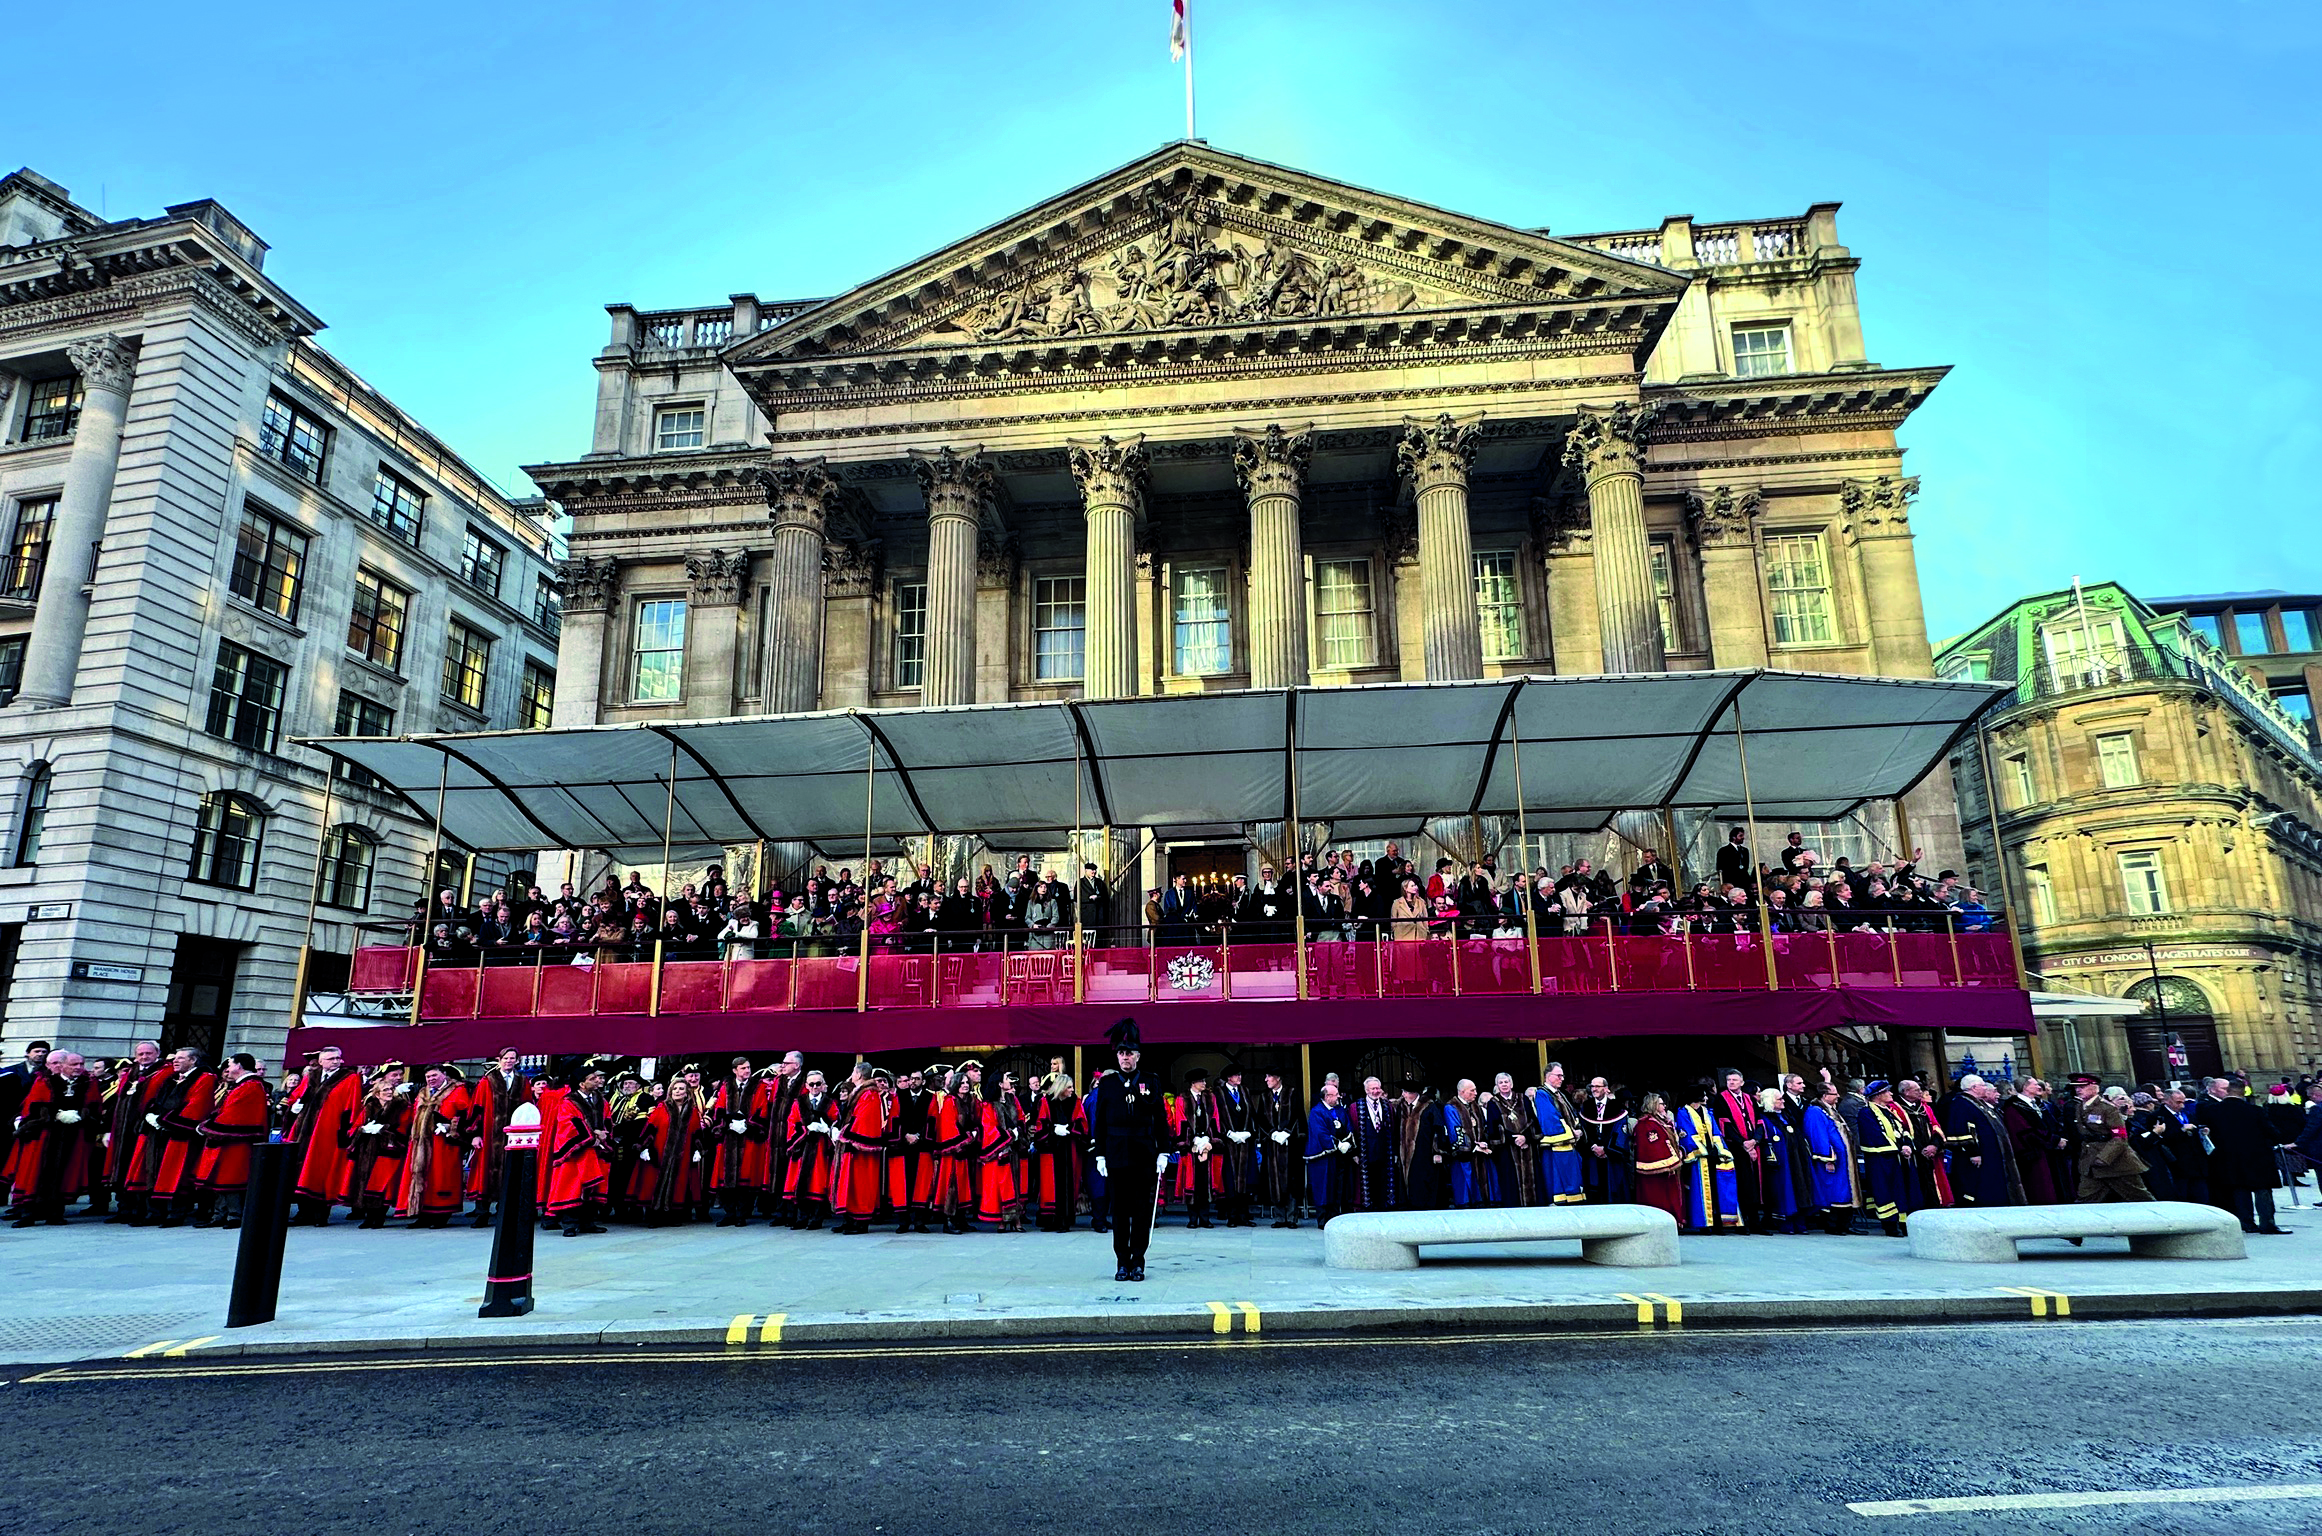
(246, 697)
(397, 505)
(2146, 883)
(2116, 760)
(1664, 561)
(1798, 587)
(1059, 628)
(28, 548)
(1344, 617)
(269, 563)
(657, 668)
(225, 847)
(536, 704)
(910, 633)
(1203, 623)
(347, 855)
(1499, 604)
(1761, 351)
(2043, 893)
(467, 663)
(375, 623)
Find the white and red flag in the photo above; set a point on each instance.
(1178, 41)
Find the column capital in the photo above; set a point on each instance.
(1610, 440)
(850, 568)
(1438, 452)
(714, 577)
(800, 493)
(1560, 523)
(1110, 471)
(104, 362)
(1879, 507)
(956, 484)
(585, 585)
(997, 553)
(1723, 516)
(1271, 461)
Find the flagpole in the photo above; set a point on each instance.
(1190, 135)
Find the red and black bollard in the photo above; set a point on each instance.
(508, 1280)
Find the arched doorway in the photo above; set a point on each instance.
(2177, 1038)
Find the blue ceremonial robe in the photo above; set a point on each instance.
(1888, 1170)
(1329, 1172)
(1984, 1183)
(1832, 1149)
(1559, 1151)
(1374, 1158)
(1712, 1199)
(1611, 1178)
(1474, 1181)
(1094, 1180)
(1779, 1147)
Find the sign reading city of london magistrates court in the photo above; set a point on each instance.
(2167, 954)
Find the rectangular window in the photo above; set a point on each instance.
(2019, 772)
(481, 561)
(11, 667)
(1761, 351)
(397, 505)
(1345, 623)
(1203, 623)
(547, 604)
(375, 626)
(2208, 627)
(293, 437)
(1499, 604)
(28, 549)
(1969, 666)
(2299, 704)
(2298, 630)
(2249, 635)
(536, 704)
(246, 697)
(910, 633)
(2148, 888)
(269, 563)
(467, 661)
(52, 409)
(1059, 628)
(2085, 651)
(677, 426)
(359, 716)
(2043, 892)
(1798, 585)
(659, 669)
(1665, 591)
(2116, 761)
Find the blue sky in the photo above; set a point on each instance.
(2095, 212)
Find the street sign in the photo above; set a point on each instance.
(48, 910)
(91, 970)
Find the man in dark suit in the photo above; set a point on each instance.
(1130, 1132)
(2242, 1170)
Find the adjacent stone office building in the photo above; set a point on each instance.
(2162, 815)
(218, 539)
(1208, 423)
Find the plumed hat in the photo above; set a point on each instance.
(1125, 1036)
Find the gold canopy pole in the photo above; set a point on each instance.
(313, 897)
(668, 822)
(1750, 815)
(435, 857)
(2015, 914)
(1072, 865)
(870, 789)
(1294, 857)
(1524, 881)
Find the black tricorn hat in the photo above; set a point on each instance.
(1124, 1036)
(1197, 1075)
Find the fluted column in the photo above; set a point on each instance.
(1271, 466)
(1607, 447)
(1436, 456)
(799, 495)
(958, 487)
(1725, 529)
(713, 592)
(1112, 492)
(1878, 524)
(585, 587)
(52, 654)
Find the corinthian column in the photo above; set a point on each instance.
(958, 488)
(1878, 524)
(1607, 447)
(1112, 493)
(586, 589)
(1724, 527)
(1271, 467)
(1436, 456)
(800, 494)
(52, 654)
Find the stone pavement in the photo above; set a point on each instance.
(89, 1291)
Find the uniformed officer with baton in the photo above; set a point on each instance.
(1128, 1133)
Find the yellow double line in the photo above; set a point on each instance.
(171, 1349)
(1221, 1316)
(2042, 1300)
(768, 1325)
(1671, 1310)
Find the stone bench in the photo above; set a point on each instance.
(2156, 1229)
(1638, 1236)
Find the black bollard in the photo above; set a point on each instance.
(265, 1224)
(508, 1279)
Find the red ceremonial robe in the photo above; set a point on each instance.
(958, 1130)
(1658, 1157)
(182, 1122)
(862, 1154)
(240, 1122)
(740, 1155)
(675, 1176)
(912, 1168)
(375, 1159)
(576, 1157)
(131, 1093)
(432, 1176)
(320, 1119)
(50, 1159)
(1059, 1154)
(810, 1154)
(491, 1100)
(999, 1182)
(549, 1100)
(1927, 1131)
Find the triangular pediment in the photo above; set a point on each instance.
(1191, 239)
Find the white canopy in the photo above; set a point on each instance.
(1370, 761)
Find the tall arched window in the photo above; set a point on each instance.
(34, 821)
(225, 846)
(346, 867)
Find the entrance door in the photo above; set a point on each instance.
(1209, 863)
(201, 990)
(2172, 1053)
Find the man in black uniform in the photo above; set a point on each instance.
(1128, 1133)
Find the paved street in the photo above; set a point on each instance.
(1648, 1434)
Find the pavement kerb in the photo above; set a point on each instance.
(1168, 1322)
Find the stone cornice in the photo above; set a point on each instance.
(1792, 403)
(129, 251)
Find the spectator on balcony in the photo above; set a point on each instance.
(1153, 915)
(1180, 911)
(1574, 898)
(1650, 871)
(449, 944)
(1044, 918)
(537, 937)
(741, 932)
(1735, 866)
(1410, 912)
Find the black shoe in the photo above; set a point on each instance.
(1120, 1272)
(25, 1221)
(482, 1219)
(231, 1223)
(2076, 1241)
(572, 1231)
(2274, 1231)
(1137, 1273)
(588, 1228)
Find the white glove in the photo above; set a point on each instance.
(644, 1154)
(834, 1131)
(697, 1157)
(1062, 1129)
(1281, 1138)
(154, 1121)
(1237, 1137)
(819, 1127)
(297, 1106)
(372, 1127)
(1201, 1146)
(1346, 1144)
(402, 1089)
(447, 1130)
(1102, 1171)
(105, 1140)
(737, 1126)
(68, 1117)
(1161, 1163)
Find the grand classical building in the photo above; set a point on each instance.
(1207, 423)
(2162, 816)
(219, 539)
